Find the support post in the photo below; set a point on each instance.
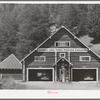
(69, 56)
(1, 77)
(69, 66)
(69, 72)
(23, 70)
(55, 66)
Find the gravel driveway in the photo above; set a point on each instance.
(60, 86)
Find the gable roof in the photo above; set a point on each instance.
(53, 35)
(60, 60)
(11, 62)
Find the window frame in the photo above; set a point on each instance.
(40, 60)
(62, 42)
(62, 53)
(80, 58)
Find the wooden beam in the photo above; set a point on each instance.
(23, 70)
(1, 76)
(55, 71)
(69, 66)
(69, 56)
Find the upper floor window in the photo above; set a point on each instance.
(62, 43)
(85, 58)
(39, 58)
(62, 55)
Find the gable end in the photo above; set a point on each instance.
(76, 39)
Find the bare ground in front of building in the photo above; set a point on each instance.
(58, 86)
(11, 83)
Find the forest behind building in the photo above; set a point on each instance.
(24, 26)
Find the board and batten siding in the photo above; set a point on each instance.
(94, 63)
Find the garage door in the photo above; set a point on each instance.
(84, 75)
(40, 74)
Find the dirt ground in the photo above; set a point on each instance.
(58, 86)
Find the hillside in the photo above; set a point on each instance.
(24, 26)
(87, 41)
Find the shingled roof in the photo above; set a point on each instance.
(11, 62)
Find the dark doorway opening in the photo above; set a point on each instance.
(40, 75)
(84, 75)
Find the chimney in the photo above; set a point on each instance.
(53, 28)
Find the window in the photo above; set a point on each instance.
(62, 55)
(85, 58)
(62, 43)
(39, 58)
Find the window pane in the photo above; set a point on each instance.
(39, 58)
(62, 55)
(85, 58)
(62, 44)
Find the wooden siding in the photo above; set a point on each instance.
(49, 63)
(99, 73)
(75, 56)
(84, 64)
(10, 71)
(58, 55)
(50, 58)
(62, 35)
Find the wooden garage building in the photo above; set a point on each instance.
(61, 57)
(11, 67)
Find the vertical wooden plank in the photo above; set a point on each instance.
(69, 56)
(69, 66)
(55, 71)
(1, 76)
(23, 66)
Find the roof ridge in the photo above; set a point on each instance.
(16, 59)
(9, 57)
(9, 61)
(6, 58)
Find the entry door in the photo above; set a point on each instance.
(62, 75)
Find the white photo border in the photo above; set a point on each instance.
(50, 94)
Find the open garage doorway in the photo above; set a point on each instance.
(86, 74)
(40, 74)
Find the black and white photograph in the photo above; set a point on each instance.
(49, 46)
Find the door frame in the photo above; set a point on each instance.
(41, 68)
(64, 73)
(84, 68)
